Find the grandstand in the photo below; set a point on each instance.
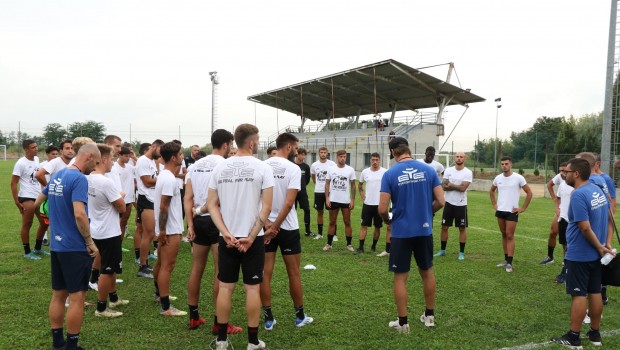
(357, 109)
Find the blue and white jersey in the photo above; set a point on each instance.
(587, 203)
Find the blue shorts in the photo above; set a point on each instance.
(402, 248)
(583, 278)
(70, 271)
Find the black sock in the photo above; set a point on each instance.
(267, 313)
(349, 240)
(299, 312)
(509, 260)
(253, 335)
(26, 248)
(72, 341)
(573, 335)
(550, 251)
(374, 244)
(155, 244)
(443, 245)
(505, 257)
(388, 246)
(215, 320)
(94, 276)
(330, 239)
(38, 243)
(604, 292)
(113, 296)
(462, 247)
(165, 302)
(193, 312)
(307, 227)
(402, 320)
(58, 338)
(320, 229)
(429, 312)
(136, 251)
(222, 328)
(101, 305)
(156, 288)
(362, 244)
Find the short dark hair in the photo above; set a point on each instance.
(271, 149)
(63, 143)
(51, 148)
(177, 142)
(105, 150)
(302, 151)
(144, 147)
(563, 164)
(168, 150)
(108, 139)
(158, 142)
(582, 166)
(430, 148)
(323, 148)
(27, 143)
(125, 150)
(341, 152)
(200, 154)
(375, 155)
(505, 158)
(220, 137)
(243, 132)
(285, 139)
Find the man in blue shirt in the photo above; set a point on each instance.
(587, 240)
(415, 192)
(71, 247)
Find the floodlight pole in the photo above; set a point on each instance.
(215, 80)
(497, 101)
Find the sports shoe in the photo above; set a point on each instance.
(137, 261)
(595, 337)
(302, 322)
(327, 248)
(221, 345)
(461, 256)
(372, 250)
(93, 286)
(269, 324)
(605, 301)
(440, 253)
(561, 278)
(335, 238)
(547, 260)
(172, 311)
(153, 256)
(429, 321)
(41, 252)
(350, 248)
(231, 329)
(170, 297)
(508, 267)
(261, 345)
(318, 236)
(194, 324)
(401, 329)
(118, 280)
(46, 242)
(146, 273)
(185, 240)
(32, 256)
(109, 313)
(308, 234)
(566, 341)
(502, 264)
(359, 251)
(119, 302)
(383, 253)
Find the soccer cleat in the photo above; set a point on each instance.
(119, 302)
(372, 250)
(41, 252)
(359, 251)
(46, 242)
(153, 256)
(302, 322)
(502, 264)
(309, 234)
(401, 329)
(461, 256)
(605, 301)
(261, 345)
(137, 261)
(318, 236)
(146, 273)
(194, 324)
(269, 324)
(118, 280)
(170, 297)
(440, 253)
(172, 311)
(566, 341)
(109, 313)
(595, 337)
(221, 345)
(350, 248)
(231, 329)
(508, 267)
(327, 248)
(335, 238)
(93, 286)
(547, 260)
(383, 253)
(32, 256)
(429, 321)
(185, 240)
(561, 278)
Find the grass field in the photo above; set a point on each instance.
(479, 306)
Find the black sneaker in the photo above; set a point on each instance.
(566, 341)
(561, 278)
(309, 234)
(46, 242)
(546, 261)
(373, 250)
(359, 251)
(605, 301)
(595, 337)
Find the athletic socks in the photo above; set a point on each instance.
(38, 243)
(58, 338)
(136, 251)
(362, 244)
(574, 336)
(222, 328)
(253, 335)
(443, 245)
(374, 244)
(299, 312)
(94, 276)
(505, 257)
(550, 251)
(113, 296)
(72, 341)
(267, 313)
(101, 305)
(462, 247)
(509, 260)
(429, 312)
(349, 240)
(307, 227)
(165, 302)
(320, 229)
(388, 246)
(330, 239)
(402, 320)
(26, 248)
(193, 312)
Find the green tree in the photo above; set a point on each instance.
(566, 142)
(589, 129)
(54, 133)
(89, 128)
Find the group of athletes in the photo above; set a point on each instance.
(241, 209)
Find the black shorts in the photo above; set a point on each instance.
(302, 199)
(370, 214)
(288, 241)
(143, 204)
(111, 255)
(507, 215)
(251, 262)
(319, 201)
(454, 213)
(562, 226)
(583, 278)
(70, 271)
(205, 231)
(336, 206)
(25, 199)
(402, 248)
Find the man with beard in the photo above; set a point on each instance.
(55, 165)
(340, 196)
(283, 230)
(318, 171)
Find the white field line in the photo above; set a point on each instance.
(529, 346)
(516, 235)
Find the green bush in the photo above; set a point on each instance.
(521, 171)
(481, 170)
(536, 172)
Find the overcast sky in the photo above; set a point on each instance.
(147, 63)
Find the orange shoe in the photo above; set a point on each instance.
(232, 329)
(194, 324)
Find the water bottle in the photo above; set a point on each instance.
(606, 259)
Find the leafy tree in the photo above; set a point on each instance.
(54, 133)
(589, 129)
(89, 128)
(566, 142)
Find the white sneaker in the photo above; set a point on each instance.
(261, 345)
(93, 286)
(67, 302)
(221, 345)
(508, 267)
(302, 322)
(118, 302)
(327, 248)
(350, 248)
(335, 238)
(118, 280)
(502, 264)
(318, 236)
(586, 320)
(401, 329)
(383, 253)
(429, 321)
(108, 313)
(185, 240)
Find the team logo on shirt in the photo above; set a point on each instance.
(56, 187)
(278, 171)
(598, 200)
(411, 175)
(340, 183)
(236, 172)
(321, 175)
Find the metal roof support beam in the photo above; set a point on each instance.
(318, 108)
(348, 103)
(393, 115)
(383, 97)
(423, 84)
(357, 118)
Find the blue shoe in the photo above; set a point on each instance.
(441, 253)
(40, 252)
(302, 322)
(461, 256)
(152, 257)
(269, 324)
(32, 256)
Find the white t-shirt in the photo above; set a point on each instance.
(509, 191)
(564, 192)
(200, 173)
(457, 177)
(55, 165)
(167, 186)
(127, 176)
(42, 166)
(103, 216)
(372, 179)
(319, 170)
(115, 176)
(146, 167)
(340, 183)
(286, 176)
(239, 181)
(435, 165)
(179, 180)
(29, 187)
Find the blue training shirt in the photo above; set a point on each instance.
(611, 186)
(64, 188)
(587, 203)
(410, 185)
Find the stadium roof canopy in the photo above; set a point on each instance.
(382, 87)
